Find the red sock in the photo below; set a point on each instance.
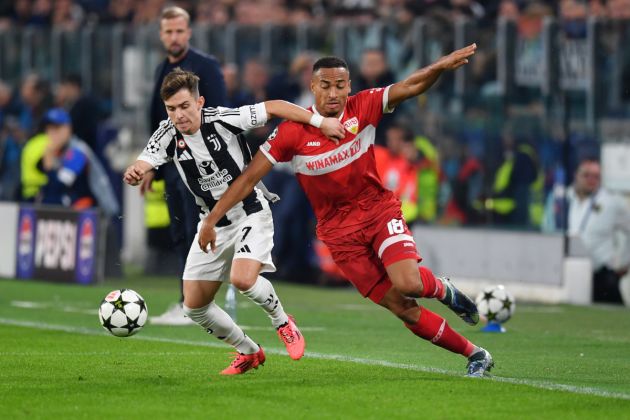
(434, 328)
(431, 287)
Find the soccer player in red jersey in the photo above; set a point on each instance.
(358, 219)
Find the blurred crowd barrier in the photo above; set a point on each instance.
(490, 141)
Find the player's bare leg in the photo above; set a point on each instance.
(432, 327)
(245, 277)
(417, 281)
(200, 307)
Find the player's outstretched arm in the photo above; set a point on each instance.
(238, 190)
(136, 171)
(331, 127)
(424, 78)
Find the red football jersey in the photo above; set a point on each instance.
(340, 181)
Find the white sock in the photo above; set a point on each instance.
(218, 323)
(264, 295)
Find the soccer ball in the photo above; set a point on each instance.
(123, 312)
(495, 304)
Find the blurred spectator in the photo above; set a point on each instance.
(236, 97)
(119, 11)
(41, 12)
(465, 179)
(84, 109)
(391, 163)
(10, 149)
(602, 220)
(514, 179)
(10, 104)
(509, 9)
(67, 15)
(65, 166)
(256, 78)
(300, 73)
(147, 11)
(428, 179)
(36, 96)
(212, 13)
(374, 73)
(75, 178)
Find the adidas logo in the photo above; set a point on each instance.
(313, 143)
(185, 156)
(245, 248)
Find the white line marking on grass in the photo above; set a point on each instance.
(24, 304)
(337, 357)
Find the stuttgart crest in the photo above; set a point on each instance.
(352, 125)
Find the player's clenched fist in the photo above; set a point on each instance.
(133, 175)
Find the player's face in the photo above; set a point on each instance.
(331, 88)
(175, 36)
(184, 110)
(587, 178)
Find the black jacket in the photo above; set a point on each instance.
(211, 83)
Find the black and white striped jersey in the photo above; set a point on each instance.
(211, 159)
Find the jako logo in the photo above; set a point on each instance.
(313, 143)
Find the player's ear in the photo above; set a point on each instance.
(349, 85)
(200, 101)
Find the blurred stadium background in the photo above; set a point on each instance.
(550, 84)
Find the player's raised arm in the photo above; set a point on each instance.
(331, 127)
(424, 78)
(238, 190)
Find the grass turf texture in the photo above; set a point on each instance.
(57, 362)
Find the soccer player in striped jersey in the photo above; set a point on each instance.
(209, 155)
(358, 219)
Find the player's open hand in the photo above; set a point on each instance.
(457, 58)
(207, 237)
(133, 175)
(333, 129)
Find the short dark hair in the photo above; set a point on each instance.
(330, 62)
(177, 80)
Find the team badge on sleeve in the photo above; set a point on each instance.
(352, 125)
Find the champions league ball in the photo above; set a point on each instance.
(123, 312)
(495, 304)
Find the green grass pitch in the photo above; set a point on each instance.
(56, 361)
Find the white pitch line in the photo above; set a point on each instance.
(337, 357)
(24, 304)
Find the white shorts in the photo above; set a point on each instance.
(250, 238)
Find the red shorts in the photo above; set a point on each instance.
(363, 254)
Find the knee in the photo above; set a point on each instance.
(409, 285)
(243, 283)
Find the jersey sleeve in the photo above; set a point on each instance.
(280, 145)
(72, 164)
(245, 117)
(156, 151)
(374, 103)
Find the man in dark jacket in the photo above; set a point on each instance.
(175, 33)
